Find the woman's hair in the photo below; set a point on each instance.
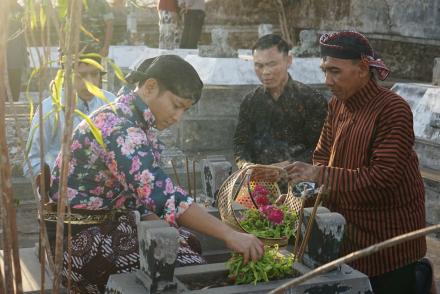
(172, 73)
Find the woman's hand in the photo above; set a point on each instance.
(301, 171)
(246, 244)
(196, 218)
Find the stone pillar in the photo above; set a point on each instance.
(214, 171)
(219, 46)
(326, 237)
(309, 45)
(158, 245)
(436, 72)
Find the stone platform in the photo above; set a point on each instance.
(31, 278)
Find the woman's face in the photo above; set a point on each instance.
(166, 107)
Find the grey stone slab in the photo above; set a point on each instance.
(22, 188)
(428, 154)
(124, 283)
(206, 134)
(344, 280)
(325, 239)
(223, 100)
(158, 245)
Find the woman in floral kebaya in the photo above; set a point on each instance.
(125, 174)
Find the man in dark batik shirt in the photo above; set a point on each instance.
(281, 120)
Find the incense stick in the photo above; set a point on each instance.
(175, 172)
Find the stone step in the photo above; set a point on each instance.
(22, 188)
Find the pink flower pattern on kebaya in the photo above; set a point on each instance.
(125, 173)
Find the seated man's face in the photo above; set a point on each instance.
(91, 74)
(271, 67)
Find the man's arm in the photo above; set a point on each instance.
(242, 137)
(33, 142)
(321, 154)
(390, 151)
(316, 113)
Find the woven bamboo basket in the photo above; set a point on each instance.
(237, 189)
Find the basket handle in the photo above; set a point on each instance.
(248, 168)
(252, 166)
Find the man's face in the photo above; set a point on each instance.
(271, 67)
(344, 77)
(168, 108)
(90, 73)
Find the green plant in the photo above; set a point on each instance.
(259, 223)
(272, 266)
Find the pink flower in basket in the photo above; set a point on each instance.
(276, 216)
(265, 209)
(273, 214)
(260, 190)
(261, 200)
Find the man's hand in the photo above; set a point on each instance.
(246, 244)
(268, 174)
(301, 171)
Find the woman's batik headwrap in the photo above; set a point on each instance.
(352, 45)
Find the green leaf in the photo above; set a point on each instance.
(57, 87)
(85, 31)
(95, 131)
(92, 62)
(28, 97)
(118, 72)
(43, 17)
(33, 19)
(91, 55)
(96, 91)
(62, 8)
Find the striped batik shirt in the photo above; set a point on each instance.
(370, 171)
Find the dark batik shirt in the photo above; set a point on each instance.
(270, 131)
(371, 172)
(94, 19)
(125, 174)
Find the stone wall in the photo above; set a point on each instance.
(408, 18)
(405, 32)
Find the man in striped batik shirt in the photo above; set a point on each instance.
(366, 163)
